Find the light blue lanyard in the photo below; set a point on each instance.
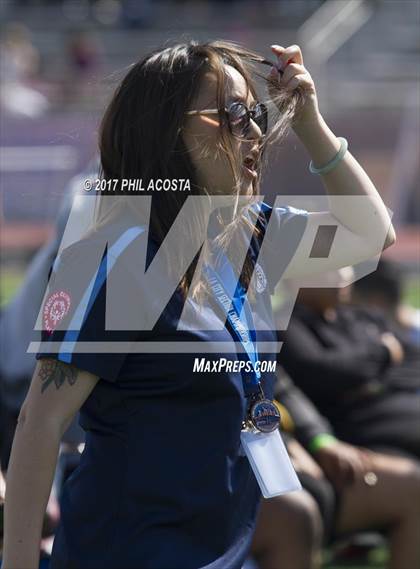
(223, 282)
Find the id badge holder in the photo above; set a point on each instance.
(270, 462)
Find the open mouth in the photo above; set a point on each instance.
(250, 166)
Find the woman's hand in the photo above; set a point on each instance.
(291, 75)
(343, 464)
(396, 351)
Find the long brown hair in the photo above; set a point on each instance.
(141, 131)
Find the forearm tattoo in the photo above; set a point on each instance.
(52, 371)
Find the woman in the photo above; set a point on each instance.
(163, 481)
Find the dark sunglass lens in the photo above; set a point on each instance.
(260, 117)
(238, 118)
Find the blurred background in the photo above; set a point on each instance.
(60, 61)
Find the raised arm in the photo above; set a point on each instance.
(56, 393)
(363, 223)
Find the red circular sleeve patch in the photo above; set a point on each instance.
(55, 309)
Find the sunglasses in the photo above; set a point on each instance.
(238, 117)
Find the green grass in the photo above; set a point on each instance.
(375, 558)
(412, 292)
(10, 280)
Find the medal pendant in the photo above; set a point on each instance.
(265, 416)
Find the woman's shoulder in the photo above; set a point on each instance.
(86, 264)
(283, 224)
(111, 239)
(263, 212)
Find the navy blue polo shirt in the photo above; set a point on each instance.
(162, 482)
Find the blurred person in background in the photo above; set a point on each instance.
(347, 489)
(381, 292)
(377, 301)
(84, 59)
(343, 358)
(19, 67)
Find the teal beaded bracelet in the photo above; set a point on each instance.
(330, 165)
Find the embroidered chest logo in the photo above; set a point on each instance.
(260, 278)
(55, 309)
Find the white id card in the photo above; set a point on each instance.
(270, 462)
